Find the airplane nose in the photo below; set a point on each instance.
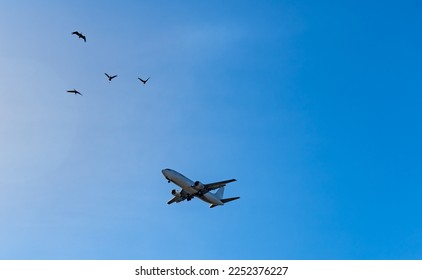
(167, 174)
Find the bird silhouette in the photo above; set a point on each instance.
(79, 35)
(144, 81)
(110, 77)
(74, 91)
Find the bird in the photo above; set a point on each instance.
(74, 91)
(144, 81)
(79, 35)
(110, 77)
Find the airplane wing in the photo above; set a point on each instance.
(217, 185)
(179, 196)
(175, 199)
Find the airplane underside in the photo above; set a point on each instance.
(192, 189)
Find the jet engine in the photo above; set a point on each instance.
(181, 194)
(198, 185)
(176, 193)
(201, 189)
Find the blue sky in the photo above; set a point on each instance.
(313, 106)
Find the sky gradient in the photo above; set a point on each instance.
(314, 107)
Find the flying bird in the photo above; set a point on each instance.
(144, 81)
(74, 91)
(80, 35)
(110, 77)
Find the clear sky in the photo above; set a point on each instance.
(313, 106)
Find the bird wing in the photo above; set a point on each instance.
(144, 81)
(107, 75)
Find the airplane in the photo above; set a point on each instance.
(192, 189)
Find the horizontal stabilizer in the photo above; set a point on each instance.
(225, 200)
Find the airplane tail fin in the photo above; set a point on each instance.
(219, 194)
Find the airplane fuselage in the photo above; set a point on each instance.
(189, 186)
